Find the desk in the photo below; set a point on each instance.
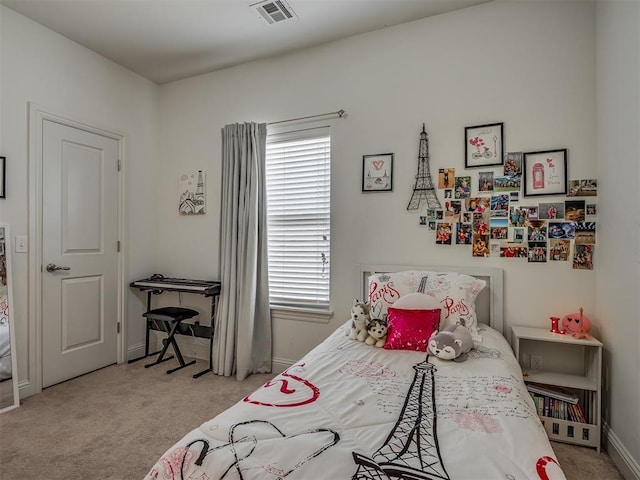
(157, 284)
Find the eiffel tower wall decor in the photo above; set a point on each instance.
(423, 190)
(192, 193)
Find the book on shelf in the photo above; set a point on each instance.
(552, 391)
(554, 408)
(577, 413)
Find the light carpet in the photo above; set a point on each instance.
(116, 422)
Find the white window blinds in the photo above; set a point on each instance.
(298, 218)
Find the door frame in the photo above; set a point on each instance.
(38, 114)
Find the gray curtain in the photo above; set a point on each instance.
(242, 336)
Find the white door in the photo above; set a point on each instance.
(79, 252)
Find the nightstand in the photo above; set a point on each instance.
(564, 361)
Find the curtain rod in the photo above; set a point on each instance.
(340, 113)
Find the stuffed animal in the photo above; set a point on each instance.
(577, 324)
(452, 343)
(377, 331)
(357, 329)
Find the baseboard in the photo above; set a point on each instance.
(24, 389)
(279, 365)
(135, 351)
(619, 454)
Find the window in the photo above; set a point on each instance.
(298, 218)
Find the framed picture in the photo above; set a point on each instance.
(545, 173)
(192, 193)
(377, 172)
(483, 145)
(3, 182)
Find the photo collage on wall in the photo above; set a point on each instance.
(491, 210)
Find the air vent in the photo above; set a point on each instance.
(274, 11)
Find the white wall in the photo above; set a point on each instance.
(618, 261)
(528, 64)
(38, 65)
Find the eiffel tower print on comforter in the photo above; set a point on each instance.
(351, 411)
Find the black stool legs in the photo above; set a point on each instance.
(171, 340)
(170, 318)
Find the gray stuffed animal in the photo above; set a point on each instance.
(452, 343)
(357, 329)
(377, 331)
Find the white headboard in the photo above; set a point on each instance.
(489, 302)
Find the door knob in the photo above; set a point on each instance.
(52, 267)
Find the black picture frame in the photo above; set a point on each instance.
(377, 172)
(3, 177)
(484, 145)
(544, 173)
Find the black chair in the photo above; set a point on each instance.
(168, 319)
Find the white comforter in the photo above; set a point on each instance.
(5, 340)
(351, 411)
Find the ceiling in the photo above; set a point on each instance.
(166, 40)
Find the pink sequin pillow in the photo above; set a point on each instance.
(411, 329)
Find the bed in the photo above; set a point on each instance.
(348, 410)
(5, 340)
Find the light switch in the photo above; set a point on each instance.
(21, 244)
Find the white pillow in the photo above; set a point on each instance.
(417, 301)
(455, 294)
